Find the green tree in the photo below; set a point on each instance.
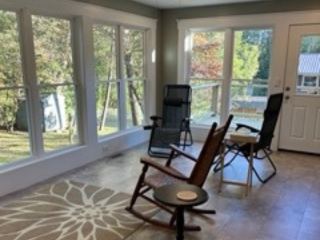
(310, 44)
(10, 69)
(207, 55)
(105, 71)
(245, 58)
(134, 70)
(263, 39)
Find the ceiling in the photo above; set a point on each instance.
(167, 4)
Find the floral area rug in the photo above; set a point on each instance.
(71, 211)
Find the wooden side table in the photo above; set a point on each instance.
(252, 139)
(168, 195)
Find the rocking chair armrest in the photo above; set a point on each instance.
(252, 129)
(167, 170)
(183, 153)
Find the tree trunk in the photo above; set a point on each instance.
(105, 107)
(107, 96)
(130, 90)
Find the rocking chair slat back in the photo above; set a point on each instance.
(209, 152)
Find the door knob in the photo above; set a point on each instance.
(287, 88)
(287, 97)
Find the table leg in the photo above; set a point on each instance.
(180, 223)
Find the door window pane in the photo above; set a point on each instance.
(54, 68)
(250, 75)
(207, 54)
(14, 119)
(104, 38)
(309, 66)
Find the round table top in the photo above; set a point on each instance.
(168, 195)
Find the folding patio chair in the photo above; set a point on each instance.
(173, 127)
(266, 134)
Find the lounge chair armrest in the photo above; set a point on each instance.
(187, 120)
(155, 118)
(185, 123)
(183, 153)
(252, 129)
(167, 170)
(148, 127)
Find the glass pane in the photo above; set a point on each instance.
(133, 54)
(135, 103)
(104, 38)
(308, 76)
(207, 54)
(206, 101)
(59, 117)
(251, 64)
(14, 126)
(10, 58)
(107, 107)
(53, 49)
(247, 108)
(251, 56)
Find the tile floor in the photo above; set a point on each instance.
(285, 208)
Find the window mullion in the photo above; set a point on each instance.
(30, 79)
(227, 74)
(86, 89)
(122, 83)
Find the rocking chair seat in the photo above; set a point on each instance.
(160, 179)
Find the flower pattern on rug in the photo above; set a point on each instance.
(71, 211)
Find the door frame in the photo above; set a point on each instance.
(279, 22)
(291, 97)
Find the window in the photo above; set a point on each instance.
(250, 75)
(47, 62)
(56, 88)
(120, 90)
(225, 81)
(14, 123)
(56, 83)
(107, 84)
(134, 76)
(206, 73)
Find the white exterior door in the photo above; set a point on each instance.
(300, 122)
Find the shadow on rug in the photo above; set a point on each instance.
(71, 211)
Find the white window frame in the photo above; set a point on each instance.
(43, 166)
(120, 75)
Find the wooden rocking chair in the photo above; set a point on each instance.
(166, 174)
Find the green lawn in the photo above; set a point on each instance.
(15, 145)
